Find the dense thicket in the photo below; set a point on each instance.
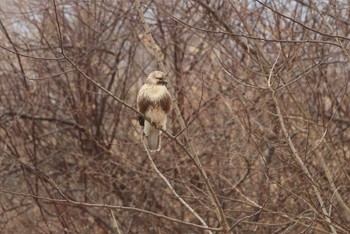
(263, 88)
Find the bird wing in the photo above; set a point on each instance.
(155, 103)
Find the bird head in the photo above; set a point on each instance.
(157, 78)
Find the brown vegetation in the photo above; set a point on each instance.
(258, 141)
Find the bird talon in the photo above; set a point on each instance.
(156, 125)
(141, 121)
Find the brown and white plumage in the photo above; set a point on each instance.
(154, 101)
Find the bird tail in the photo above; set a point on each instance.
(153, 137)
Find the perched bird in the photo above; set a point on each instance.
(154, 101)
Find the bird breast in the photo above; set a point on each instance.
(154, 92)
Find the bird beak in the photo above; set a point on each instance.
(163, 82)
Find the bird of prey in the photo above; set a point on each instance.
(154, 102)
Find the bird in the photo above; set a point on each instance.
(155, 103)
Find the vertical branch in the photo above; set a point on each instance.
(60, 39)
(173, 190)
(17, 55)
(189, 148)
(115, 224)
(296, 154)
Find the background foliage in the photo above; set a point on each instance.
(263, 87)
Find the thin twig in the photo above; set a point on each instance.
(325, 19)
